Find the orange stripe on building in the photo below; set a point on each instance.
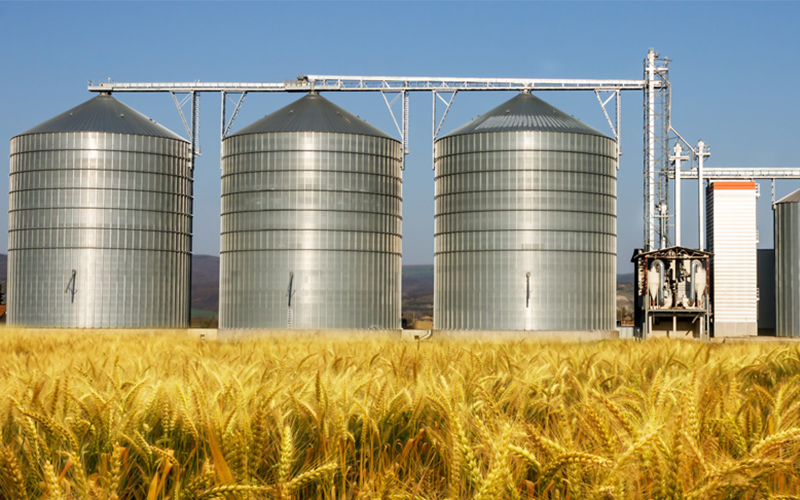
(748, 185)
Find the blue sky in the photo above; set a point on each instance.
(733, 71)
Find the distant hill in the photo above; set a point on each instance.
(417, 280)
(205, 284)
(418, 291)
(417, 271)
(625, 278)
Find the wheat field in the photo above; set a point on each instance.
(153, 416)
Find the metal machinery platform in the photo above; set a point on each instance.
(671, 293)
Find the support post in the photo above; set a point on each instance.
(194, 138)
(402, 127)
(773, 194)
(619, 125)
(222, 118)
(405, 128)
(615, 126)
(433, 130)
(677, 157)
(437, 128)
(195, 125)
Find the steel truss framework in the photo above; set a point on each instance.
(193, 123)
(394, 90)
(762, 173)
(659, 166)
(741, 173)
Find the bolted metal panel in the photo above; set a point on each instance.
(787, 266)
(525, 221)
(311, 228)
(99, 230)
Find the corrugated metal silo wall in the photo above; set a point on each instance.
(787, 269)
(509, 204)
(115, 209)
(323, 206)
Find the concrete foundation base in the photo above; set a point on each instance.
(532, 335)
(408, 335)
(735, 329)
(411, 335)
(225, 334)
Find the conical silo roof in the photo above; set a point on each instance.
(790, 198)
(103, 114)
(313, 113)
(525, 112)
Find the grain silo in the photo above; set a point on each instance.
(787, 266)
(100, 208)
(311, 222)
(525, 222)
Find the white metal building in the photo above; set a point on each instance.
(733, 238)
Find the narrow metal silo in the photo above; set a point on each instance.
(525, 222)
(787, 266)
(100, 208)
(311, 222)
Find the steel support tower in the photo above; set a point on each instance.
(657, 108)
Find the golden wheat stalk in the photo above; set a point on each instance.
(51, 485)
(528, 457)
(228, 489)
(774, 441)
(15, 486)
(311, 476)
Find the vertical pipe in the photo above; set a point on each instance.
(193, 154)
(678, 202)
(678, 156)
(702, 153)
(651, 149)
